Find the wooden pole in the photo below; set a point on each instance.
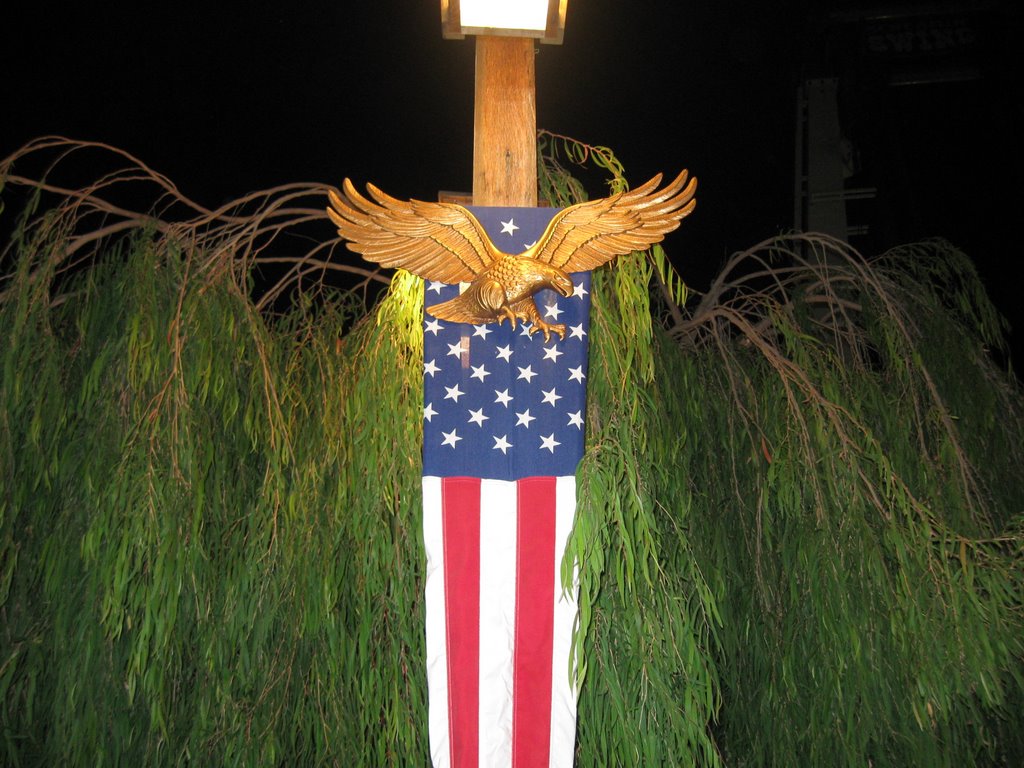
(505, 123)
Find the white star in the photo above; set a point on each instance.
(576, 420)
(479, 372)
(508, 227)
(549, 442)
(525, 418)
(433, 326)
(477, 417)
(503, 397)
(435, 286)
(579, 291)
(526, 330)
(551, 396)
(430, 368)
(552, 311)
(552, 353)
(526, 373)
(505, 353)
(451, 438)
(576, 331)
(454, 393)
(455, 350)
(502, 444)
(481, 331)
(576, 374)
(429, 411)
(529, 245)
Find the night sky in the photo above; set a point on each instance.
(224, 103)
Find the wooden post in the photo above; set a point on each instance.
(505, 123)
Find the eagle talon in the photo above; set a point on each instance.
(547, 328)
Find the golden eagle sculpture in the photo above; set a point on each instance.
(445, 242)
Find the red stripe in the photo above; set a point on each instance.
(460, 511)
(535, 604)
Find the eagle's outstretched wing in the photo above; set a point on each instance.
(436, 241)
(587, 235)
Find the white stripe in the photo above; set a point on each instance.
(497, 618)
(437, 663)
(563, 692)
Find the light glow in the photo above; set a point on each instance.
(505, 14)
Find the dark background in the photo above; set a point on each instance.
(225, 101)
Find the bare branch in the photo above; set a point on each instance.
(132, 197)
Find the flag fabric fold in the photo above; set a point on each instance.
(504, 417)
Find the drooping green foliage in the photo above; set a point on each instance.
(799, 539)
(647, 617)
(195, 569)
(863, 503)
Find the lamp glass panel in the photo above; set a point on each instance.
(504, 14)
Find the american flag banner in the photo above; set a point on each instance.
(503, 427)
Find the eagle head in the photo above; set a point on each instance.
(553, 278)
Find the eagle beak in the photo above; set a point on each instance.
(564, 286)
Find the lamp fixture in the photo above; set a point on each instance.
(538, 19)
